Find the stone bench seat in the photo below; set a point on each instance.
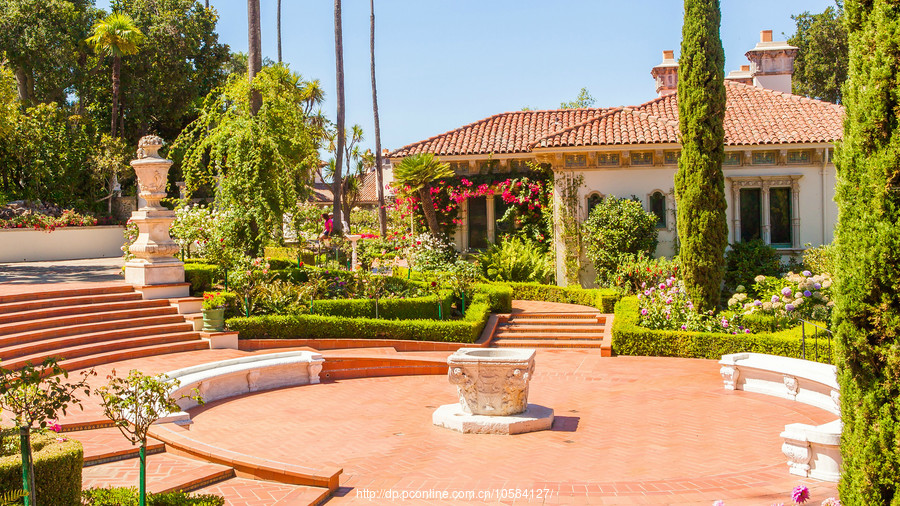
(238, 376)
(812, 450)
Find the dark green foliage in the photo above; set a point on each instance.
(618, 228)
(286, 257)
(820, 67)
(603, 299)
(746, 260)
(699, 183)
(57, 468)
(129, 497)
(630, 339)
(418, 308)
(499, 297)
(202, 277)
(466, 330)
(866, 316)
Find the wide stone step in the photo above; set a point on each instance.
(558, 322)
(248, 492)
(68, 292)
(165, 473)
(57, 343)
(519, 327)
(68, 325)
(47, 313)
(556, 316)
(548, 343)
(66, 355)
(109, 445)
(550, 335)
(28, 305)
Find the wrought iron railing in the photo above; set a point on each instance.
(817, 332)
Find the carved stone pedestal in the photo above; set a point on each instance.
(154, 271)
(493, 393)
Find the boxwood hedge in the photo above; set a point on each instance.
(631, 339)
(57, 468)
(603, 299)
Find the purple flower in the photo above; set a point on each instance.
(746, 331)
(757, 303)
(719, 503)
(807, 293)
(806, 273)
(786, 291)
(800, 494)
(684, 327)
(644, 312)
(788, 307)
(775, 298)
(818, 286)
(724, 324)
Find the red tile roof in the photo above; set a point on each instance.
(753, 116)
(509, 132)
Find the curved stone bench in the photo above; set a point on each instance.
(812, 450)
(239, 376)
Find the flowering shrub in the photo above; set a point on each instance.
(792, 297)
(799, 495)
(69, 218)
(635, 271)
(430, 253)
(666, 306)
(192, 225)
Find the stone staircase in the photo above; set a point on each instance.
(89, 326)
(555, 330)
(110, 460)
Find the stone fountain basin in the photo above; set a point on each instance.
(492, 382)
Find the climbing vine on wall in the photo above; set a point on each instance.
(568, 188)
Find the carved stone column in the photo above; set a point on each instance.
(154, 270)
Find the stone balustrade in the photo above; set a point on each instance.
(812, 450)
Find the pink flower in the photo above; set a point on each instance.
(54, 426)
(800, 494)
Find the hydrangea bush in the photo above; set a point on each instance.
(790, 298)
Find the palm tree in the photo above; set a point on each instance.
(278, 29)
(379, 177)
(116, 36)
(339, 150)
(254, 52)
(418, 172)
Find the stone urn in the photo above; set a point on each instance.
(492, 381)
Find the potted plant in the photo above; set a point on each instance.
(213, 312)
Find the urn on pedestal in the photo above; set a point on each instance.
(155, 271)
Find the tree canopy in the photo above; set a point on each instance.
(820, 67)
(583, 100)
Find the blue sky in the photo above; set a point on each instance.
(445, 63)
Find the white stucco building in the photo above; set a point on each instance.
(779, 178)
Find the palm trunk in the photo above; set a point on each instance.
(278, 29)
(254, 52)
(379, 176)
(428, 209)
(117, 69)
(339, 73)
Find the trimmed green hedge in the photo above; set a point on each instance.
(499, 297)
(417, 308)
(287, 255)
(631, 339)
(57, 469)
(122, 496)
(202, 277)
(603, 299)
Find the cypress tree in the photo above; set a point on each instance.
(699, 183)
(867, 268)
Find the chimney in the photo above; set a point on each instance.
(666, 74)
(740, 76)
(772, 63)
(744, 68)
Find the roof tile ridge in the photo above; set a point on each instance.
(790, 96)
(609, 112)
(448, 132)
(651, 117)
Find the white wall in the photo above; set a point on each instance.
(68, 243)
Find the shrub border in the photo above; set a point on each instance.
(57, 470)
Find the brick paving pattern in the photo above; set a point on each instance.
(629, 430)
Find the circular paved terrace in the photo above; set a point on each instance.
(629, 430)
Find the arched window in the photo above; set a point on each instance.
(593, 201)
(658, 207)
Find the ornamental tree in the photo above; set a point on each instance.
(258, 163)
(699, 183)
(867, 264)
(418, 172)
(35, 395)
(615, 230)
(135, 403)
